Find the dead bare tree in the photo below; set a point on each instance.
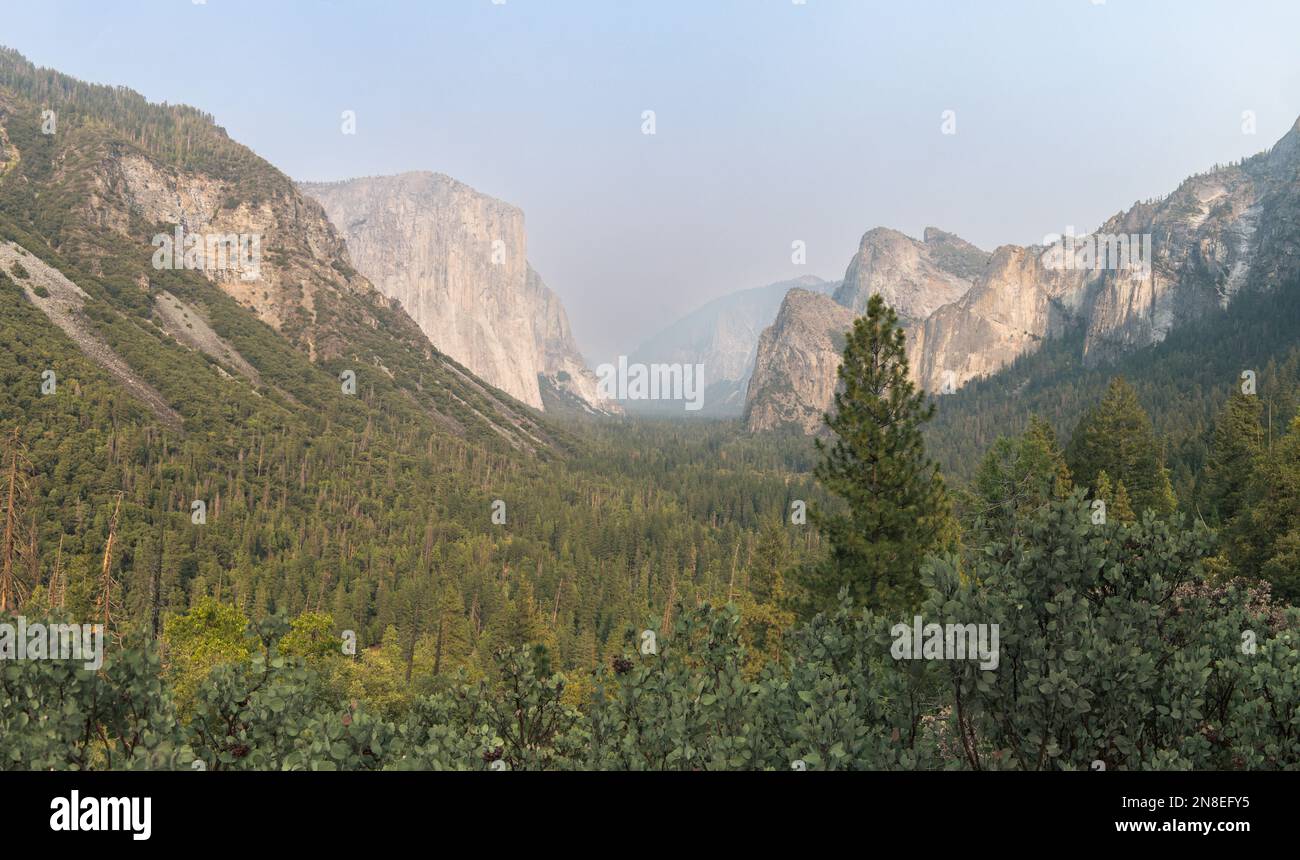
(17, 496)
(58, 582)
(107, 583)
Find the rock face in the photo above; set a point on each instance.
(723, 337)
(915, 278)
(798, 356)
(1143, 273)
(187, 325)
(565, 382)
(1206, 248)
(302, 269)
(267, 252)
(457, 261)
(1218, 233)
(1014, 303)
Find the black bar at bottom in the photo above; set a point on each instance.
(293, 811)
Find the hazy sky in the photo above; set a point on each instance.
(775, 121)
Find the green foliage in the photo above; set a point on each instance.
(1118, 505)
(1112, 649)
(1266, 533)
(1117, 438)
(1236, 445)
(311, 635)
(1018, 476)
(765, 606)
(57, 714)
(895, 504)
(686, 707)
(275, 713)
(525, 709)
(847, 705)
(209, 635)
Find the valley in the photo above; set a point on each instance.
(356, 500)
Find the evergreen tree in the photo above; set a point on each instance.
(771, 557)
(521, 622)
(415, 600)
(1117, 438)
(1017, 477)
(895, 506)
(765, 616)
(1118, 506)
(450, 630)
(1267, 532)
(1237, 443)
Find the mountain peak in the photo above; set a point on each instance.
(935, 235)
(1286, 152)
(915, 278)
(155, 167)
(456, 260)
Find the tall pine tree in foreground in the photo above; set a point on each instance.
(895, 505)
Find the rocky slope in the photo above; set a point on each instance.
(915, 278)
(1014, 303)
(64, 303)
(723, 336)
(1234, 228)
(1218, 233)
(794, 377)
(102, 196)
(457, 261)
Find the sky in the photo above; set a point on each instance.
(775, 121)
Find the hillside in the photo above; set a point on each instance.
(197, 385)
(118, 172)
(1182, 382)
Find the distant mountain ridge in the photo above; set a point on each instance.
(968, 314)
(723, 336)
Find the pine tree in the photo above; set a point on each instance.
(450, 630)
(414, 605)
(1266, 534)
(1238, 441)
(765, 616)
(1118, 506)
(770, 560)
(895, 505)
(1017, 477)
(1117, 438)
(1122, 505)
(521, 623)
